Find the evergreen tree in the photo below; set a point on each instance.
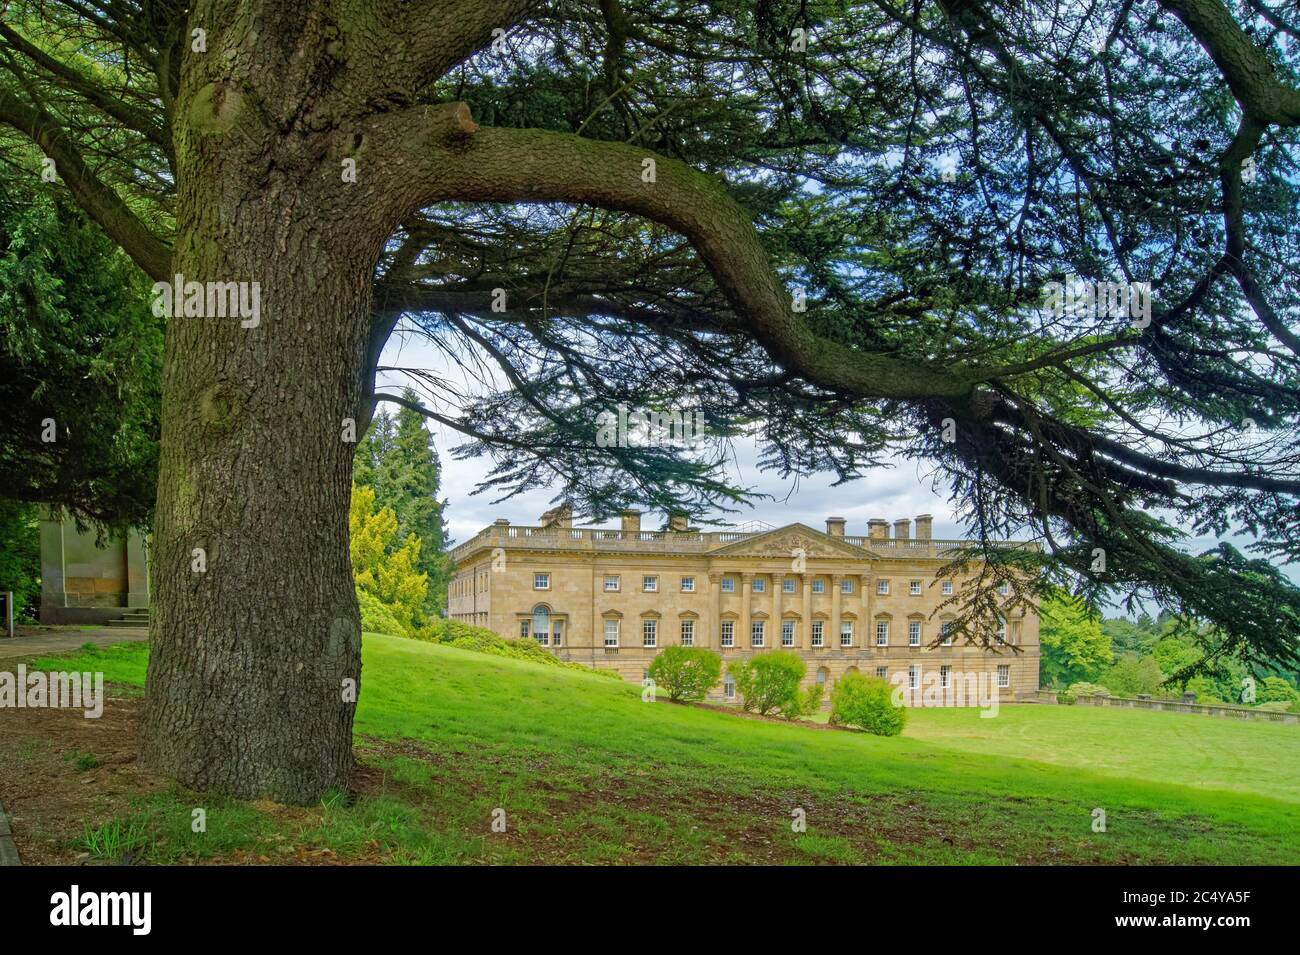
(396, 458)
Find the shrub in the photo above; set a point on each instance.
(377, 617)
(769, 682)
(1088, 689)
(1275, 689)
(867, 703)
(1276, 706)
(686, 673)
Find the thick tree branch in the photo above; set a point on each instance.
(94, 197)
(530, 165)
(1244, 66)
(133, 118)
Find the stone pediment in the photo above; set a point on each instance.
(790, 541)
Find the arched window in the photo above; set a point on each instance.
(541, 622)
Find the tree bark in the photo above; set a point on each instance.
(255, 638)
(250, 652)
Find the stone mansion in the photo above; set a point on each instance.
(613, 598)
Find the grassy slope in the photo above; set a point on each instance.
(586, 772)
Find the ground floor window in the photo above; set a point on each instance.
(881, 672)
(1004, 675)
(523, 629)
(913, 677)
(945, 677)
(729, 688)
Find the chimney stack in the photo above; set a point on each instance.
(923, 526)
(561, 516)
(679, 523)
(878, 528)
(631, 522)
(835, 526)
(901, 528)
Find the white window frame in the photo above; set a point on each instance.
(649, 632)
(913, 676)
(882, 673)
(727, 633)
(846, 585)
(945, 677)
(846, 630)
(787, 633)
(688, 632)
(729, 687)
(758, 585)
(650, 583)
(914, 633)
(1004, 676)
(541, 581)
(616, 629)
(818, 586)
(1004, 588)
(688, 585)
(946, 629)
(914, 588)
(882, 633)
(788, 585)
(728, 585)
(612, 578)
(757, 633)
(1000, 634)
(525, 628)
(818, 633)
(946, 588)
(882, 587)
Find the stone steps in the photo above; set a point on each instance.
(132, 618)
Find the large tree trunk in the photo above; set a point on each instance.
(253, 656)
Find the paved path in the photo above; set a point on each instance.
(38, 641)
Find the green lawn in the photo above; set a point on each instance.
(584, 771)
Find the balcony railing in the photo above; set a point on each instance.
(517, 536)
